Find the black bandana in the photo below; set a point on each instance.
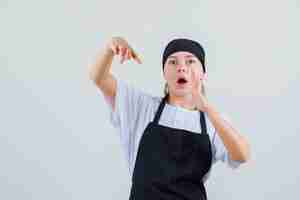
(183, 44)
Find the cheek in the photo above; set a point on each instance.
(169, 73)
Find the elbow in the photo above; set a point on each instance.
(244, 155)
(244, 158)
(241, 159)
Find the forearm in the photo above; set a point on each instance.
(101, 68)
(234, 142)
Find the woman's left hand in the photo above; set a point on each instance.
(199, 100)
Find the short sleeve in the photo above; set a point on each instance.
(129, 106)
(220, 152)
(127, 103)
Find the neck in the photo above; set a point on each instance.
(182, 101)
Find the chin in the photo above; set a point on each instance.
(181, 93)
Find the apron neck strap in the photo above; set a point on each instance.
(202, 122)
(160, 109)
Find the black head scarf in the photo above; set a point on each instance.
(182, 44)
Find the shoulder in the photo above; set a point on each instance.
(136, 99)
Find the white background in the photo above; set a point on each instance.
(56, 141)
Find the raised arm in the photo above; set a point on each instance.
(100, 71)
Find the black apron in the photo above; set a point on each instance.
(170, 162)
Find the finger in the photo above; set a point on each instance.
(196, 81)
(117, 50)
(127, 54)
(123, 54)
(136, 57)
(124, 50)
(114, 49)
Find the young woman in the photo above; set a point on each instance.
(170, 142)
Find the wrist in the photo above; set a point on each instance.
(208, 108)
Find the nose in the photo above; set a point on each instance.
(181, 68)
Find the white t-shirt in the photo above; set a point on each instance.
(134, 109)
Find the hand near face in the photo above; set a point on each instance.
(200, 101)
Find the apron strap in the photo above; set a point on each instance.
(160, 109)
(203, 123)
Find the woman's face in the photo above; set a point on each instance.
(180, 71)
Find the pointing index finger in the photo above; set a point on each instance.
(136, 57)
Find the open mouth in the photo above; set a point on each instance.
(181, 81)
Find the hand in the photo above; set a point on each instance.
(199, 100)
(119, 46)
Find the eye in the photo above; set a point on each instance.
(172, 62)
(191, 61)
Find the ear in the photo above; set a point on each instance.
(204, 77)
(164, 75)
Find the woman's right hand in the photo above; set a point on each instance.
(119, 46)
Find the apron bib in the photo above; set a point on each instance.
(171, 162)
